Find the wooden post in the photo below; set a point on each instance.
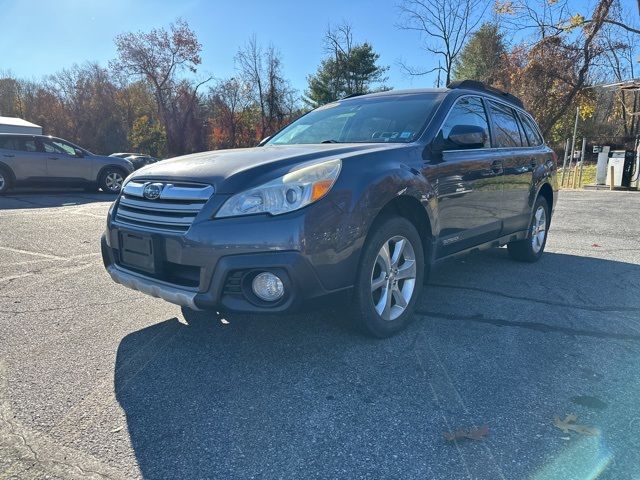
(612, 182)
(564, 162)
(584, 147)
(575, 175)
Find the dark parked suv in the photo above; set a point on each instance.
(41, 160)
(358, 197)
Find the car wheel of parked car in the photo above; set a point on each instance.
(4, 181)
(390, 278)
(111, 180)
(531, 248)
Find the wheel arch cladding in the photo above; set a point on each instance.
(412, 209)
(547, 192)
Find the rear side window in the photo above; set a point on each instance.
(531, 132)
(505, 132)
(467, 111)
(18, 144)
(9, 143)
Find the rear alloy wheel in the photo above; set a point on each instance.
(390, 278)
(111, 180)
(531, 248)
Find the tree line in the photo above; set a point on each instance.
(152, 98)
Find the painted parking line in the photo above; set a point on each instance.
(29, 252)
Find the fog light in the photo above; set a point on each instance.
(267, 287)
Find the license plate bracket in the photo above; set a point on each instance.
(136, 251)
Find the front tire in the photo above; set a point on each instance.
(389, 279)
(531, 248)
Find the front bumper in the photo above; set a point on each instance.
(207, 274)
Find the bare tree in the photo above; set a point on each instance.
(620, 61)
(228, 100)
(261, 69)
(249, 63)
(444, 26)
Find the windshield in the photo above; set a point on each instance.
(385, 119)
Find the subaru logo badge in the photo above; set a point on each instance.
(152, 191)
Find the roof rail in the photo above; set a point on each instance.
(353, 95)
(476, 85)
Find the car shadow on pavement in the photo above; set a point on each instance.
(32, 198)
(304, 396)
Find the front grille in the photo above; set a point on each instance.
(173, 211)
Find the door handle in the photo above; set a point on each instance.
(53, 158)
(496, 167)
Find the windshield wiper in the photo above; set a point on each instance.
(331, 140)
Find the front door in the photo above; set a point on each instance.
(467, 182)
(63, 165)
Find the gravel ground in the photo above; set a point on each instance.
(98, 381)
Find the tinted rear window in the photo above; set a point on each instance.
(505, 132)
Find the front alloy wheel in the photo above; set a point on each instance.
(393, 277)
(390, 277)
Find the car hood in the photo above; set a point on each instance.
(231, 171)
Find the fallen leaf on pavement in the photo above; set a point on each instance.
(595, 245)
(569, 424)
(117, 429)
(471, 434)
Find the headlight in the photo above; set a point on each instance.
(290, 192)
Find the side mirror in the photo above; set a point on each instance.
(79, 153)
(264, 140)
(467, 136)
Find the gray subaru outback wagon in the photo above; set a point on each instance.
(356, 199)
(38, 160)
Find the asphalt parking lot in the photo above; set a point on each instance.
(98, 381)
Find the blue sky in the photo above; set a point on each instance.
(41, 37)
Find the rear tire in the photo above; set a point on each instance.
(390, 278)
(111, 180)
(5, 181)
(531, 248)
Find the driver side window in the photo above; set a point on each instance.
(56, 146)
(466, 111)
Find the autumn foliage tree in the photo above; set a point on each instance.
(159, 57)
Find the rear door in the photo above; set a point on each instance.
(511, 144)
(20, 153)
(63, 165)
(467, 182)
